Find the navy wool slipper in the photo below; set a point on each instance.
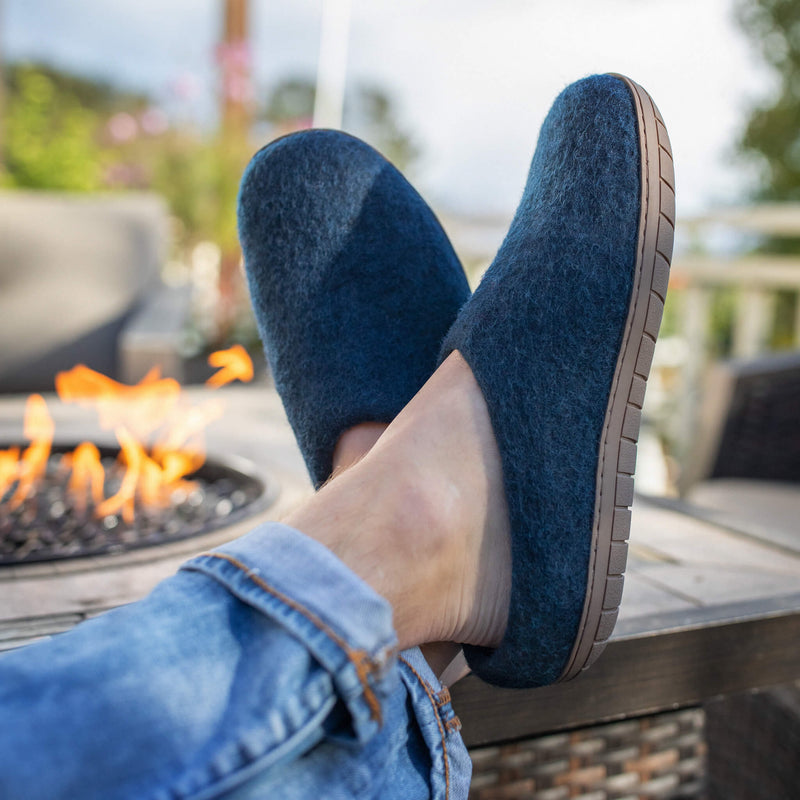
(353, 282)
(560, 336)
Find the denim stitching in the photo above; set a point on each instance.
(431, 697)
(360, 659)
(453, 725)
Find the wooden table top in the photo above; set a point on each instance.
(707, 610)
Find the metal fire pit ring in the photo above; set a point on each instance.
(73, 538)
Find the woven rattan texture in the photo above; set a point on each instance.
(760, 438)
(661, 756)
(754, 746)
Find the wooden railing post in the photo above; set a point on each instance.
(696, 325)
(755, 313)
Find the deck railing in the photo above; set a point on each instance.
(715, 253)
(755, 279)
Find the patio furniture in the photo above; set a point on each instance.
(73, 270)
(750, 422)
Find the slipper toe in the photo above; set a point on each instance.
(353, 282)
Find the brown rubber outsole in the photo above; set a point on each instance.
(617, 455)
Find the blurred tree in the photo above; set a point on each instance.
(91, 93)
(369, 113)
(771, 137)
(772, 134)
(374, 117)
(49, 137)
(52, 121)
(291, 102)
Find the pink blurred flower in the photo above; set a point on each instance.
(122, 127)
(154, 121)
(234, 55)
(238, 89)
(186, 86)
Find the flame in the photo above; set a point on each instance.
(124, 500)
(9, 460)
(39, 429)
(235, 364)
(141, 408)
(188, 429)
(88, 475)
(161, 437)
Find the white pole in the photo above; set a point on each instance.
(332, 65)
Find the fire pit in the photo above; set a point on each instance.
(156, 487)
(252, 436)
(50, 524)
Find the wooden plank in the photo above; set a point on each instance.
(742, 510)
(16, 633)
(643, 597)
(759, 271)
(639, 675)
(688, 535)
(776, 219)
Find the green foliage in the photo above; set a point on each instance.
(292, 99)
(55, 137)
(199, 178)
(90, 93)
(723, 315)
(772, 134)
(49, 137)
(786, 310)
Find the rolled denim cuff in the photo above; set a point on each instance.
(302, 586)
(451, 768)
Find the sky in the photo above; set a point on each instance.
(472, 80)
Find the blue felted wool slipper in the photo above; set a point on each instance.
(353, 282)
(560, 336)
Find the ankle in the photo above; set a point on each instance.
(355, 443)
(423, 543)
(382, 522)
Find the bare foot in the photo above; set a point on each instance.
(422, 517)
(445, 658)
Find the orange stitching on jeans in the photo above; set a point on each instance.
(360, 659)
(431, 697)
(453, 724)
(364, 666)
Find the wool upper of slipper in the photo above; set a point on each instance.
(353, 282)
(542, 334)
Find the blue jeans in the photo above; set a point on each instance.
(264, 669)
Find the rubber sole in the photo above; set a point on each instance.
(617, 455)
